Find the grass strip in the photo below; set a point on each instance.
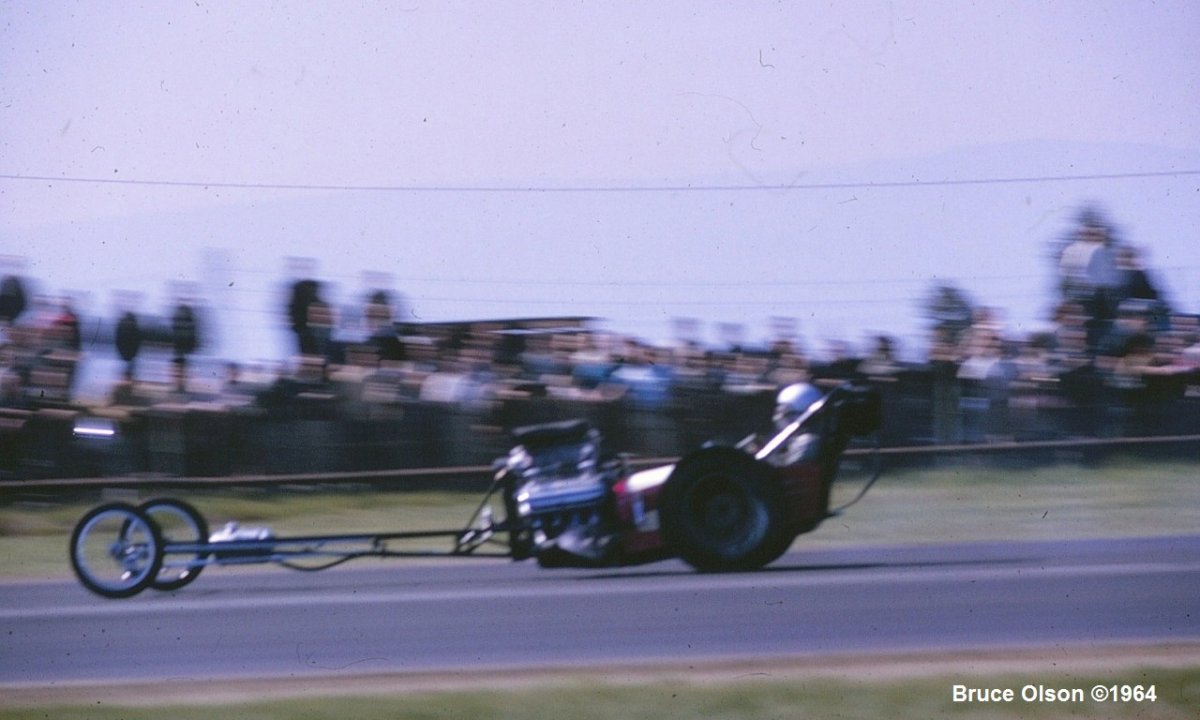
(749, 697)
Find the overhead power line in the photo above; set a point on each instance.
(858, 185)
(660, 282)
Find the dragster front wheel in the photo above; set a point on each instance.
(178, 522)
(116, 550)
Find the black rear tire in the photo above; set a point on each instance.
(722, 510)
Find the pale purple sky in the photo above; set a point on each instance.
(586, 95)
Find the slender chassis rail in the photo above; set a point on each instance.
(284, 551)
(280, 550)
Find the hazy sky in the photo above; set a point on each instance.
(546, 95)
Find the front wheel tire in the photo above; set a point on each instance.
(723, 511)
(178, 522)
(116, 550)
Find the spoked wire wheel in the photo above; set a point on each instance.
(178, 523)
(116, 550)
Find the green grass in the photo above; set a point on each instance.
(742, 698)
(1123, 498)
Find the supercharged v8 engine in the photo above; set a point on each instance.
(558, 494)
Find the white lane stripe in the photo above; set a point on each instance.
(799, 579)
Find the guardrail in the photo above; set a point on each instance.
(426, 477)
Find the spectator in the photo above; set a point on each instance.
(880, 364)
(1132, 320)
(179, 381)
(747, 374)
(304, 293)
(986, 374)
(590, 365)
(842, 366)
(378, 312)
(943, 362)
(645, 383)
(788, 365)
(128, 340)
(55, 368)
(1142, 380)
(13, 298)
(1185, 334)
(644, 388)
(1088, 267)
(64, 330)
(185, 340)
(319, 324)
(1033, 387)
(381, 328)
(1070, 323)
(450, 383)
(236, 392)
(1135, 283)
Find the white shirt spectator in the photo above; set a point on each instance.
(1089, 263)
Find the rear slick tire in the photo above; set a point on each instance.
(723, 511)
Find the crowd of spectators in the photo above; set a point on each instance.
(1114, 360)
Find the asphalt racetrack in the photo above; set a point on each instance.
(404, 617)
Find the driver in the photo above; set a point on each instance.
(793, 401)
(790, 404)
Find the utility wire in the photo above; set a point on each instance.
(660, 283)
(624, 283)
(913, 183)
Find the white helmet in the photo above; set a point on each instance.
(793, 401)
